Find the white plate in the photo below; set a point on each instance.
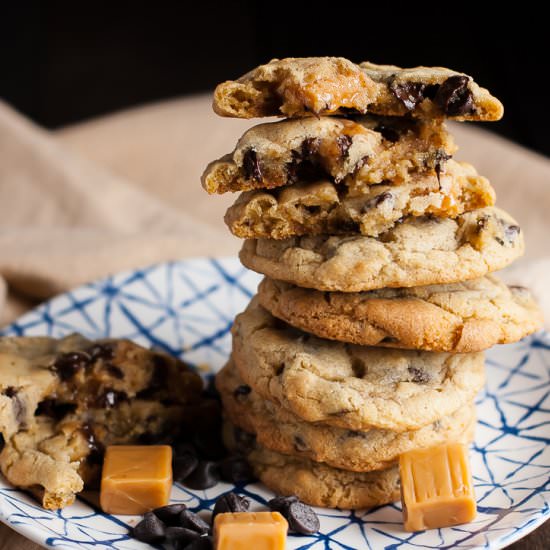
(189, 306)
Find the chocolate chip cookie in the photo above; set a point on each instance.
(316, 483)
(323, 207)
(280, 430)
(419, 251)
(62, 401)
(458, 317)
(297, 87)
(359, 153)
(350, 386)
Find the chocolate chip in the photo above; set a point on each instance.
(68, 364)
(386, 196)
(230, 502)
(18, 405)
(279, 369)
(183, 466)
(53, 409)
(251, 166)
(344, 143)
(310, 148)
(204, 476)
(454, 97)
(241, 391)
(178, 538)
(419, 376)
(110, 398)
(511, 232)
(202, 543)
(301, 517)
(346, 226)
(299, 444)
(409, 93)
(482, 223)
(101, 351)
(388, 133)
(96, 448)
(193, 521)
(236, 470)
(150, 529)
(244, 441)
(170, 514)
(114, 371)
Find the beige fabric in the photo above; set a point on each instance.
(124, 191)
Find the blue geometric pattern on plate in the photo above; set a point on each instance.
(187, 308)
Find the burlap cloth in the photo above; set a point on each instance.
(123, 191)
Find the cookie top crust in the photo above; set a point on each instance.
(349, 386)
(299, 87)
(418, 251)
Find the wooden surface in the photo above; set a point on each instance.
(163, 148)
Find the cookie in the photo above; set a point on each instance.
(62, 401)
(318, 484)
(418, 251)
(359, 153)
(297, 87)
(350, 386)
(458, 317)
(279, 430)
(323, 207)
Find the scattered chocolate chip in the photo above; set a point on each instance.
(68, 364)
(299, 444)
(150, 529)
(204, 476)
(193, 521)
(344, 143)
(170, 514)
(183, 466)
(236, 470)
(419, 376)
(388, 132)
(251, 166)
(230, 502)
(409, 93)
(178, 538)
(110, 398)
(202, 543)
(53, 409)
(301, 518)
(101, 351)
(454, 97)
(244, 441)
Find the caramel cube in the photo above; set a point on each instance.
(135, 478)
(436, 487)
(247, 530)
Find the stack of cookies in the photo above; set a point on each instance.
(366, 336)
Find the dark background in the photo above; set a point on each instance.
(62, 62)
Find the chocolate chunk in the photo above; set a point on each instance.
(53, 409)
(68, 364)
(419, 376)
(230, 502)
(301, 518)
(178, 538)
(193, 521)
(310, 148)
(236, 470)
(299, 444)
(150, 529)
(170, 514)
(101, 351)
(251, 166)
(202, 543)
(409, 93)
(110, 398)
(388, 132)
(454, 97)
(344, 143)
(96, 448)
(241, 391)
(244, 441)
(183, 466)
(204, 476)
